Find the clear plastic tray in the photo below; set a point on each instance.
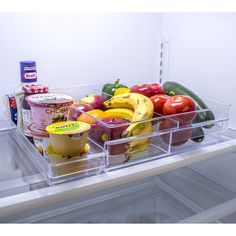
(56, 169)
(111, 153)
(163, 140)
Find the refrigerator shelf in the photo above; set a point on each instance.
(110, 154)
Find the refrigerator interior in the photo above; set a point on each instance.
(170, 197)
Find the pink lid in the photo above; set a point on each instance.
(35, 88)
(46, 99)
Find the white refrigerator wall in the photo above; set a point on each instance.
(72, 49)
(202, 54)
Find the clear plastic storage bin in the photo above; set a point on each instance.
(159, 137)
(167, 137)
(56, 169)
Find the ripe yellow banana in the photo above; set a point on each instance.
(142, 106)
(137, 148)
(120, 113)
(139, 145)
(143, 110)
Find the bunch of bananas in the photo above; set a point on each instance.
(135, 107)
(124, 113)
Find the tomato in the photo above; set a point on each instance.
(178, 137)
(180, 104)
(96, 113)
(158, 101)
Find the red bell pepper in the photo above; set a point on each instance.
(147, 89)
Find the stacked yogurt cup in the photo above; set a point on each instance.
(51, 130)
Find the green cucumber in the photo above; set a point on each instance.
(173, 88)
(197, 134)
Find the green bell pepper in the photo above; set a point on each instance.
(109, 89)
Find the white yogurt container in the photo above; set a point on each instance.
(41, 139)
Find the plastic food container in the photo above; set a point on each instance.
(100, 133)
(69, 138)
(40, 138)
(49, 108)
(30, 89)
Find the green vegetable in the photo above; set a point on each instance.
(173, 88)
(197, 134)
(109, 89)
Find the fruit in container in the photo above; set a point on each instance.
(89, 116)
(142, 89)
(179, 137)
(143, 110)
(156, 89)
(173, 88)
(75, 110)
(124, 113)
(158, 101)
(75, 101)
(142, 106)
(94, 100)
(121, 91)
(180, 104)
(109, 89)
(147, 89)
(103, 132)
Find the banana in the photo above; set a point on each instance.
(120, 113)
(137, 148)
(142, 106)
(139, 145)
(143, 110)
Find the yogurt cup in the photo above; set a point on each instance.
(68, 138)
(41, 139)
(49, 108)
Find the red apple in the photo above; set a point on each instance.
(95, 100)
(101, 133)
(75, 110)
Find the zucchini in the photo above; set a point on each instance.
(173, 88)
(197, 134)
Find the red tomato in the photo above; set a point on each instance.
(180, 104)
(158, 101)
(178, 137)
(156, 88)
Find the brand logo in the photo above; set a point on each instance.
(56, 110)
(30, 75)
(38, 139)
(27, 68)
